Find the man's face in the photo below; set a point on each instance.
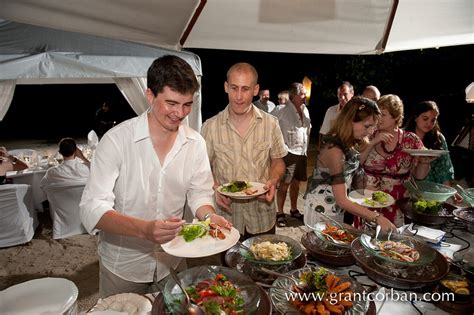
(265, 96)
(241, 87)
(344, 95)
(300, 99)
(169, 107)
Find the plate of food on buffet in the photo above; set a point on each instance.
(201, 239)
(333, 293)
(371, 199)
(271, 249)
(215, 289)
(242, 189)
(423, 211)
(338, 236)
(399, 249)
(425, 152)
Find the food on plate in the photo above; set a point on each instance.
(131, 303)
(380, 197)
(271, 251)
(427, 206)
(198, 229)
(458, 285)
(398, 251)
(239, 186)
(333, 295)
(338, 234)
(217, 296)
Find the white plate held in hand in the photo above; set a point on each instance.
(365, 199)
(203, 246)
(254, 186)
(424, 152)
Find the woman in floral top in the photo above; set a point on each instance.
(386, 164)
(337, 162)
(424, 122)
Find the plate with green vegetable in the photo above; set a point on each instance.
(201, 239)
(371, 199)
(242, 189)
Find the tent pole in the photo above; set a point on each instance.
(191, 23)
(382, 44)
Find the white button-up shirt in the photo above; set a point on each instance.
(69, 171)
(126, 176)
(295, 131)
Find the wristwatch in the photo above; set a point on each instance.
(207, 216)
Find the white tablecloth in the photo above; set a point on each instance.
(33, 178)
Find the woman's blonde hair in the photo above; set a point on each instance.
(356, 110)
(394, 105)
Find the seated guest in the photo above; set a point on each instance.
(424, 122)
(9, 163)
(71, 169)
(386, 164)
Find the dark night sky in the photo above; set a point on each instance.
(437, 74)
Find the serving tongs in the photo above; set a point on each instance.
(332, 239)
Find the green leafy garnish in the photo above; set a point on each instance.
(192, 231)
(235, 186)
(427, 206)
(380, 197)
(316, 280)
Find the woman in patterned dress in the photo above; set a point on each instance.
(424, 122)
(337, 161)
(386, 164)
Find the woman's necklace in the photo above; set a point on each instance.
(396, 146)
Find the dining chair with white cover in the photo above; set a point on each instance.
(64, 199)
(18, 219)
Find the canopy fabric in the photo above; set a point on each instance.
(297, 26)
(37, 55)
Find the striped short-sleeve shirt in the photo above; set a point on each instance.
(247, 158)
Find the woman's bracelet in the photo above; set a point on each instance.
(375, 217)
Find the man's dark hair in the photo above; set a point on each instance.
(173, 72)
(67, 147)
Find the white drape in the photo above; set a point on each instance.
(7, 88)
(133, 89)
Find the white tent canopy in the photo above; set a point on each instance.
(38, 55)
(300, 26)
(297, 26)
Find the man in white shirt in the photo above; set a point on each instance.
(71, 170)
(295, 125)
(264, 102)
(142, 174)
(344, 93)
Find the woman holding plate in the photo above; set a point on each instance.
(424, 122)
(337, 162)
(386, 164)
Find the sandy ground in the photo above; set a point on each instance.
(75, 258)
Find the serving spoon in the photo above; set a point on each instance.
(299, 284)
(191, 308)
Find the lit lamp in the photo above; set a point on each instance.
(470, 93)
(465, 138)
(307, 85)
